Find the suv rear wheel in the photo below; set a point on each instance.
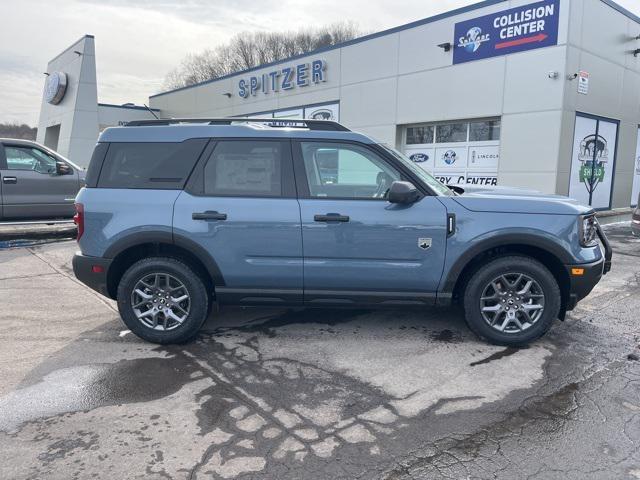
(162, 300)
(511, 301)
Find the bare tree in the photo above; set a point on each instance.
(251, 49)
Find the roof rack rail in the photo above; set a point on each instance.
(271, 122)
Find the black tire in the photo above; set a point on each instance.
(198, 298)
(483, 277)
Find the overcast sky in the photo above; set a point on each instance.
(139, 41)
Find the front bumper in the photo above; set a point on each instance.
(635, 222)
(92, 271)
(581, 284)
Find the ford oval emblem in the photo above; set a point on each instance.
(419, 157)
(55, 87)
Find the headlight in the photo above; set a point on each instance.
(588, 230)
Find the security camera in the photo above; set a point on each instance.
(553, 74)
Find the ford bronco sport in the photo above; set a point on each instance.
(179, 214)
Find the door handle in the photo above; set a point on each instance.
(10, 180)
(209, 215)
(331, 217)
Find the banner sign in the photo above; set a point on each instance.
(510, 31)
(593, 161)
(459, 164)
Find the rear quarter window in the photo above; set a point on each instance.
(150, 165)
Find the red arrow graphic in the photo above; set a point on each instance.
(521, 41)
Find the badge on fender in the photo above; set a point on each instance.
(424, 243)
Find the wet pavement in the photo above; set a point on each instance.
(312, 394)
(27, 235)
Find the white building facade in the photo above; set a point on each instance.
(518, 109)
(543, 95)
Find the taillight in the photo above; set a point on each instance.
(78, 219)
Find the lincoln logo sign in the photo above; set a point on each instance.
(510, 31)
(285, 78)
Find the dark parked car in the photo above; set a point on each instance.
(37, 183)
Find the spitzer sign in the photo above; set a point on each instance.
(509, 31)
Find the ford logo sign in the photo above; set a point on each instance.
(419, 157)
(55, 87)
(323, 114)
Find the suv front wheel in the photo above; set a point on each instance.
(162, 300)
(511, 301)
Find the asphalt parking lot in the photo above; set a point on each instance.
(312, 394)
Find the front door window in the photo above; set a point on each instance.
(346, 171)
(32, 159)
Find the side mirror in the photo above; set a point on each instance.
(456, 189)
(62, 168)
(403, 192)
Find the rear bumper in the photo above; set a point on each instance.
(92, 271)
(581, 285)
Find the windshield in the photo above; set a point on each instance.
(426, 177)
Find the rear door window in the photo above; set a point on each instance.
(150, 165)
(247, 168)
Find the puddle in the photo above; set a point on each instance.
(23, 242)
(20, 236)
(87, 387)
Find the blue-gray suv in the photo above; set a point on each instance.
(178, 215)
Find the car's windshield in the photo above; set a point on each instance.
(426, 177)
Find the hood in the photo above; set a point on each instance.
(517, 200)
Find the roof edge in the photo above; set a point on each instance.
(130, 107)
(406, 26)
(622, 10)
(389, 31)
(70, 47)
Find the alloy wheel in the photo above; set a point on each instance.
(512, 303)
(160, 301)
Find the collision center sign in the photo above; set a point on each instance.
(510, 31)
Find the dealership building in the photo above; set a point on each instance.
(542, 95)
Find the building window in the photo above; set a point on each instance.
(463, 151)
(420, 135)
(451, 132)
(484, 131)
